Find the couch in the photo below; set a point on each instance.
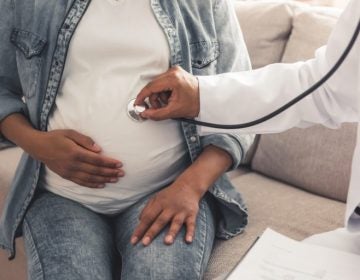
(295, 182)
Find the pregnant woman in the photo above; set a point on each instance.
(93, 183)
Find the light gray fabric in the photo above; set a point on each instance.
(9, 159)
(16, 269)
(310, 31)
(286, 209)
(266, 27)
(316, 159)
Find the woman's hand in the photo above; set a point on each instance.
(77, 158)
(68, 153)
(178, 204)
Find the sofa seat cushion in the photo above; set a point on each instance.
(286, 209)
(316, 159)
(16, 269)
(9, 159)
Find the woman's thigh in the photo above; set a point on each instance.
(64, 240)
(159, 261)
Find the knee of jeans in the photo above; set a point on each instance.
(159, 268)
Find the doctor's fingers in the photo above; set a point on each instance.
(162, 113)
(155, 88)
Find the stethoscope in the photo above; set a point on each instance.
(135, 111)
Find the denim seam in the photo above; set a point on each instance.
(170, 32)
(65, 35)
(204, 236)
(20, 215)
(39, 272)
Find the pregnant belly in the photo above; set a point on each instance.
(153, 156)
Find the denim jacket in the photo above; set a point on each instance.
(204, 38)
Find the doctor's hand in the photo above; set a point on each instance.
(174, 94)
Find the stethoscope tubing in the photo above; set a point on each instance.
(291, 103)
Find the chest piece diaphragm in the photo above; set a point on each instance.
(135, 111)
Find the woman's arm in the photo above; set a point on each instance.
(178, 204)
(68, 153)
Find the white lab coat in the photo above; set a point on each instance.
(249, 95)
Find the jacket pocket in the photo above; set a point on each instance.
(203, 54)
(29, 47)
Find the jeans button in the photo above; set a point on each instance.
(193, 139)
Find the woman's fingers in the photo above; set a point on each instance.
(147, 217)
(100, 171)
(176, 225)
(161, 221)
(97, 160)
(87, 184)
(93, 179)
(190, 229)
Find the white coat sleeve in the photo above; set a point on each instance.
(244, 96)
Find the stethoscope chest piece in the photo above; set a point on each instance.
(135, 111)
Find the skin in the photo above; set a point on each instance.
(78, 158)
(174, 94)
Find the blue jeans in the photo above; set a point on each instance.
(64, 240)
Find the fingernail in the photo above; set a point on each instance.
(118, 165)
(134, 240)
(120, 174)
(114, 180)
(146, 241)
(101, 186)
(189, 239)
(169, 239)
(96, 147)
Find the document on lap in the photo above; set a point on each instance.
(277, 257)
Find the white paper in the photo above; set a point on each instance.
(277, 257)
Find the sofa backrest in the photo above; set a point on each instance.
(316, 159)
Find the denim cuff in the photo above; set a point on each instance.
(5, 111)
(4, 143)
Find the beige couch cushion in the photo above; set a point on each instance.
(316, 159)
(266, 28)
(310, 31)
(286, 209)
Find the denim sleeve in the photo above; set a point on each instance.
(233, 57)
(10, 88)
(236, 146)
